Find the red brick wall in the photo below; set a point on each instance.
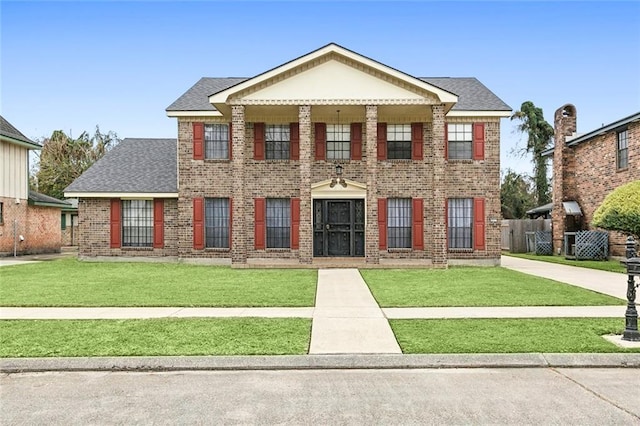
(40, 227)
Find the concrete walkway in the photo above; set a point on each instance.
(347, 319)
(610, 283)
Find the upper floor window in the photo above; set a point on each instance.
(217, 217)
(460, 143)
(277, 141)
(216, 141)
(137, 223)
(399, 141)
(338, 141)
(623, 149)
(460, 223)
(399, 222)
(278, 223)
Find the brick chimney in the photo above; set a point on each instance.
(564, 177)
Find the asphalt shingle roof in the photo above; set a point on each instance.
(37, 197)
(133, 166)
(472, 95)
(7, 130)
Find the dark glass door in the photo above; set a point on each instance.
(338, 228)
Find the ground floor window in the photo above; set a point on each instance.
(460, 223)
(217, 222)
(137, 223)
(278, 223)
(399, 222)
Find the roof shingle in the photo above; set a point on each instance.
(7, 130)
(135, 165)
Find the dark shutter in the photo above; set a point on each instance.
(115, 228)
(198, 141)
(198, 223)
(418, 224)
(230, 141)
(258, 141)
(382, 141)
(158, 223)
(230, 221)
(321, 140)
(478, 141)
(416, 141)
(260, 229)
(446, 222)
(294, 151)
(356, 141)
(478, 224)
(295, 223)
(382, 223)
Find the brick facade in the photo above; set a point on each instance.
(39, 227)
(587, 172)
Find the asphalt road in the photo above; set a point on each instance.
(538, 396)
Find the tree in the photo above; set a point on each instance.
(516, 195)
(620, 210)
(63, 159)
(540, 134)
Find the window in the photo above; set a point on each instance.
(137, 223)
(338, 141)
(399, 222)
(277, 139)
(460, 223)
(399, 141)
(63, 221)
(460, 141)
(278, 223)
(216, 217)
(216, 141)
(623, 149)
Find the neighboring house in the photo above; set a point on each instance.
(29, 221)
(331, 155)
(586, 168)
(69, 223)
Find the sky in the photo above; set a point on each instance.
(73, 65)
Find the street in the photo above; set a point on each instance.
(413, 396)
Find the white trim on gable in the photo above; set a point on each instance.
(194, 114)
(459, 113)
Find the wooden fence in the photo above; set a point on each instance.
(513, 232)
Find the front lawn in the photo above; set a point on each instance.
(154, 337)
(479, 286)
(522, 335)
(69, 282)
(602, 265)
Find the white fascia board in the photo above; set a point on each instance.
(194, 114)
(127, 195)
(444, 96)
(479, 114)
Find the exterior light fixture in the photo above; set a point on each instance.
(338, 179)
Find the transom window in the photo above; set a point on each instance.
(137, 223)
(460, 223)
(278, 223)
(338, 141)
(460, 141)
(216, 141)
(399, 222)
(399, 141)
(277, 141)
(623, 149)
(217, 218)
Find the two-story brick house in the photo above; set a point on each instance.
(586, 168)
(331, 155)
(29, 221)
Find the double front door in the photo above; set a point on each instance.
(338, 227)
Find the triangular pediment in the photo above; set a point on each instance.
(332, 75)
(329, 189)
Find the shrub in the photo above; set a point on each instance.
(620, 210)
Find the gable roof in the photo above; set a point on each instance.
(12, 135)
(134, 166)
(465, 94)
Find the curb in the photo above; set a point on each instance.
(319, 362)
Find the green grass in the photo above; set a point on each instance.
(154, 337)
(602, 265)
(69, 282)
(550, 335)
(474, 287)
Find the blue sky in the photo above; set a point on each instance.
(75, 65)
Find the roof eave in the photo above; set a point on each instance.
(101, 194)
(199, 113)
(605, 129)
(478, 113)
(25, 144)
